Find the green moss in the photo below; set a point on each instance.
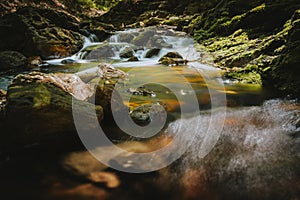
(245, 77)
(259, 8)
(42, 97)
(234, 20)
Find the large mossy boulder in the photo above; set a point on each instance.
(39, 107)
(43, 32)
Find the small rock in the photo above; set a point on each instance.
(35, 60)
(143, 115)
(141, 91)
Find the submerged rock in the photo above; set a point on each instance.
(42, 104)
(143, 91)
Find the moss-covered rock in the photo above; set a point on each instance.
(254, 42)
(41, 105)
(43, 32)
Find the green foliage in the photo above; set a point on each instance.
(87, 3)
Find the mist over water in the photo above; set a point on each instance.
(257, 155)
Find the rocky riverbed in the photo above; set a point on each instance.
(219, 79)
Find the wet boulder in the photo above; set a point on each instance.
(152, 52)
(97, 52)
(144, 37)
(39, 107)
(127, 52)
(173, 55)
(172, 58)
(157, 41)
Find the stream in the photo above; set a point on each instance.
(253, 151)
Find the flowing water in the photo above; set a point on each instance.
(252, 152)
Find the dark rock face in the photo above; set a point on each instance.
(285, 73)
(11, 60)
(42, 106)
(43, 32)
(152, 12)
